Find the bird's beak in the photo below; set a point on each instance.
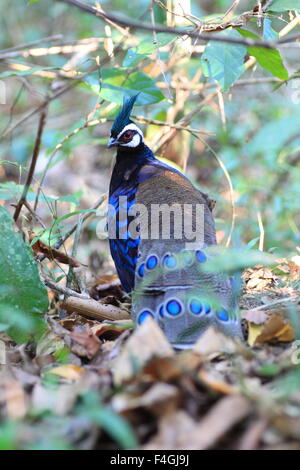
(112, 142)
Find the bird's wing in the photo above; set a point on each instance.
(169, 282)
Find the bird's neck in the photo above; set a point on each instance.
(133, 155)
(128, 162)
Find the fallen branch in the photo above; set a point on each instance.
(92, 309)
(84, 305)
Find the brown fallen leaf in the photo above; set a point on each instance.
(275, 329)
(179, 431)
(107, 285)
(214, 342)
(215, 382)
(88, 340)
(116, 327)
(170, 368)
(15, 399)
(160, 398)
(68, 371)
(146, 342)
(39, 247)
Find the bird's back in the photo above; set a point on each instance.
(170, 284)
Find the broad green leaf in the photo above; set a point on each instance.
(23, 298)
(224, 62)
(284, 5)
(268, 31)
(118, 82)
(145, 48)
(269, 59)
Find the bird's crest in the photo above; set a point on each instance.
(123, 118)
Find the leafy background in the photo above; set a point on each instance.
(244, 100)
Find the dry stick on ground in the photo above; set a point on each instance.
(32, 164)
(84, 305)
(178, 31)
(92, 309)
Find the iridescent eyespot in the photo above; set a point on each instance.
(207, 308)
(169, 261)
(141, 270)
(151, 262)
(201, 256)
(161, 311)
(173, 307)
(196, 306)
(222, 314)
(143, 315)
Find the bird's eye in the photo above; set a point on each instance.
(127, 136)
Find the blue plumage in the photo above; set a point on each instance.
(166, 278)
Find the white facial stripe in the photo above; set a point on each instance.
(131, 127)
(135, 141)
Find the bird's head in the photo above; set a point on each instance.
(124, 133)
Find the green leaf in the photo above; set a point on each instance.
(71, 214)
(269, 59)
(145, 49)
(23, 298)
(224, 62)
(285, 5)
(116, 426)
(231, 260)
(118, 82)
(268, 31)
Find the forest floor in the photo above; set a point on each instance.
(102, 384)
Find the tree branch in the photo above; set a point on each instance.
(178, 31)
(32, 164)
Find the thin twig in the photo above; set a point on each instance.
(62, 240)
(61, 289)
(34, 214)
(70, 275)
(144, 120)
(56, 37)
(32, 164)
(227, 175)
(280, 301)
